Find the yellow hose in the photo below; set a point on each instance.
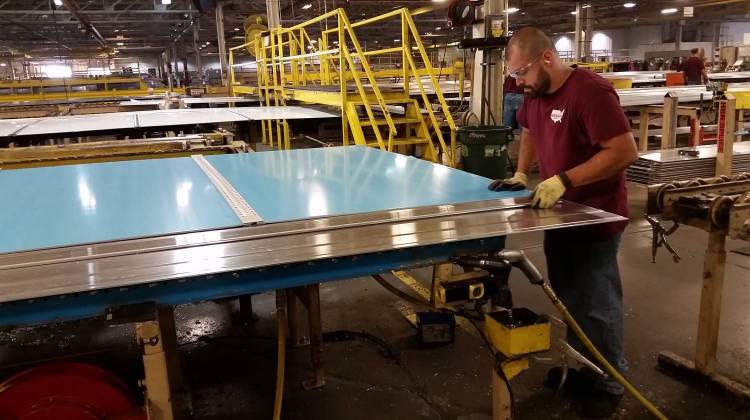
(281, 358)
(590, 346)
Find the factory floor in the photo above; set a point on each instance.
(230, 368)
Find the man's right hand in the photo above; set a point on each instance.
(518, 182)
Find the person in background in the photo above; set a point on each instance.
(695, 71)
(676, 65)
(512, 102)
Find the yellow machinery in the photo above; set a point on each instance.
(107, 150)
(336, 70)
(597, 67)
(95, 87)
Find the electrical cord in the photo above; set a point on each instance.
(463, 314)
(599, 357)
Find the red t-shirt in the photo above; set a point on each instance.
(693, 69)
(567, 127)
(510, 86)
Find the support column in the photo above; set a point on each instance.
(159, 69)
(158, 398)
(715, 39)
(725, 135)
(578, 40)
(221, 42)
(669, 122)
(174, 64)
(710, 308)
(588, 36)
(12, 67)
(198, 61)
(274, 14)
(678, 36)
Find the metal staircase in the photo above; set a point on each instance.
(334, 69)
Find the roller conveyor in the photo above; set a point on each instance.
(162, 231)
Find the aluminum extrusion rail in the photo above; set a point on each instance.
(120, 264)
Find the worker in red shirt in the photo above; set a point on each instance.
(574, 127)
(512, 101)
(695, 71)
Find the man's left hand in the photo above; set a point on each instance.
(547, 193)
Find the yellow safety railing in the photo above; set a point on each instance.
(290, 60)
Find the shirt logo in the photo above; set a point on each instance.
(556, 115)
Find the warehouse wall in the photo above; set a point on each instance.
(634, 42)
(732, 33)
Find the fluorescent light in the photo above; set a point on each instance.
(307, 6)
(438, 28)
(574, 12)
(629, 5)
(236, 29)
(396, 40)
(586, 6)
(668, 11)
(58, 3)
(207, 43)
(3, 64)
(166, 1)
(512, 10)
(120, 44)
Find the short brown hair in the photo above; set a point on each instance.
(531, 41)
(694, 51)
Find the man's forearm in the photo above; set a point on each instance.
(607, 163)
(526, 153)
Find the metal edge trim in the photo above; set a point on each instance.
(79, 252)
(241, 208)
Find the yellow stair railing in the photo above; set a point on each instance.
(293, 65)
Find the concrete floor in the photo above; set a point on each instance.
(230, 368)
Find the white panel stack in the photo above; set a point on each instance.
(668, 165)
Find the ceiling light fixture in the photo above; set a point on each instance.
(438, 28)
(307, 6)
(512, 10)
(58, 3)
(120, 44)
(166, 1)
(586, 6)
(236, 29)
(668, 11)
(574, 12)
(629, 5)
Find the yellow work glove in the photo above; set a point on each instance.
(547, 193)
(517, 182)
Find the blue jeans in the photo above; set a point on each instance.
(511, 104)
(586, 278)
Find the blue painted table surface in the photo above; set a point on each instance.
(77, 204)
(305, 183)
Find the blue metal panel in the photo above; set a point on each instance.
(305, 183)
(84, 305)
(66, 205)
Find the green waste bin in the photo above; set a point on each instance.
(484, 149)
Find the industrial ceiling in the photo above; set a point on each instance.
(85, 28)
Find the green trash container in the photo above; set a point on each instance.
(484, 149)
